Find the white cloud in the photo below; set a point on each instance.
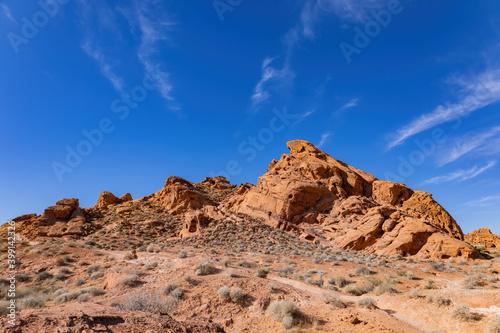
(324, 139)
(352, 103)
(271, 77)
(304, 115)
(7, 12)
(461, 175)
(485, 201)
(106, 70)
(153, 27)
(351, 11)
(484, 142)
(476, 93)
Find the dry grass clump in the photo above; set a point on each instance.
(262, 273)
(32, 302)
(414, 293)
(385, 288)
(367, 302)
(224, 293)
(353, 290)
(462, 312)
(204, 268)
(236, 294)
(287, 312)
(169, 288)
(147, 302)
(438, 299)
(130, 281)
(333, 300)
(493, 325)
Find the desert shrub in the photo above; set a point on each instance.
(226, 263)
(286, 312)
(414, 293)
(364, 271)
(82, 263)
(340, 281)
(224, 293)
(42, 276)
(22, 277)
(231, 273)
(176, 293)
(245, 264)
(473, 281)
(169, 288)
(367, 302)
(60, 262)
(373, 280)
(64, 270)
(96, 275)
(262, 273)
(83, 298)
(130, 281)
(147, 302)
(59, 292)
(410, 275)
(438, 299)
(353, 290)
(333, 300)
(32, 302)
(92, 269)
(94, 291)
(493, 325)
(3, 307)
(366, 288)
(236, 294)
(287, 270)
(129, 256)
(462, 262)
(462, 312)
(430, 284)
(438, 266)
(79, 282)
(66, 297)
(271, 287)
(205, 268)
(385, 288)
(182, 254)
(190, 280)
(60, 277)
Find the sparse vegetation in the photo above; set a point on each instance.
(130, 281)
(462, 312)
(438, 299)
(367, 302)
(224, 293)
(262, 273)
(147, 302)
(205, 268)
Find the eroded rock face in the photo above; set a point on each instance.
(179, 196)
(307, 189)
(484, 237)
(107, 198)
(306, 179)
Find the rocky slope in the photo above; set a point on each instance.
(483, 236)
(306, 192)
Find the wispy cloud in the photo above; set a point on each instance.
(461, 175)
(324, 139)
(485, 201)
(106, 70)
(352, 103)
(473, 142)
(476, 93)
(8, 14)
(304, 116)
(350, 11)
(270, 78)
(153, 26)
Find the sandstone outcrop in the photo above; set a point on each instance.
(306, 192)
(483, 236)
(319, 197)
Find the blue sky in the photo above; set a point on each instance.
(99, 95)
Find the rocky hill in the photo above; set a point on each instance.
(483, 236)
(306, 192)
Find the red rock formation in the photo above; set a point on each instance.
(354, 209)
(484, 237)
